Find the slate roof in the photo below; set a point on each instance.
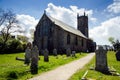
(66, 27)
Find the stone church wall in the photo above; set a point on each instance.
(60, 41)
(50, 36)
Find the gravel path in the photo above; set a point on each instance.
(66, 71)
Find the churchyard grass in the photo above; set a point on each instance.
(92, 74)
(11, 69)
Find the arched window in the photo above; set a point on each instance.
(76, 40)
(82, 42)
(50, 32)
(68, 39)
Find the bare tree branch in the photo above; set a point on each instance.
(9, 24)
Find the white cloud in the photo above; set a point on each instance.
(68, 15)
(27, 22)
(108, 28)
(114, 7)
(100, 34)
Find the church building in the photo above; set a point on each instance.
(52, 34)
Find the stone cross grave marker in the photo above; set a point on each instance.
(68, 52)
(34, 60)
(46, 55)
(101, 60)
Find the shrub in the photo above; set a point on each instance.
(24, 46)
(13, 46)
(13, 74)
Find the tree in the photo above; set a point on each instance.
(24, 39)
(116, 45)
(3, 16)
(8, 24)
(111, 40)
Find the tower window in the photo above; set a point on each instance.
(68, 39)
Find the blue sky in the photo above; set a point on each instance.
(104, 15)
(36, 7)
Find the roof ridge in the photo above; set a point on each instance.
(63, 22)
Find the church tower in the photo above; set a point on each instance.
(82, 24)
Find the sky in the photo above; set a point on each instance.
(103, 15)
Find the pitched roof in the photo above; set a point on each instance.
(66, 27)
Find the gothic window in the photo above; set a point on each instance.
(50, 31)
(76, 40)
(42, 43)
(68, 39)
(43, 27)
(82, 42)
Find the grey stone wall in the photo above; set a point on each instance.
(73, 46)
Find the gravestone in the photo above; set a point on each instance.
(73, 54)
(42, 52)
(34, 60)
(27, 56)
(46, 55)
(101, 60)
(20, 59)
(68, 52)
(118, 55)
(55, 52)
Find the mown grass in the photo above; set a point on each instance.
(11, 69)
(92, 74)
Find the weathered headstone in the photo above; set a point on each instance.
(42, 52)
(55, 52)
(27, 56)
(73, 54)
(46, 55)
(68, 52)
(34, 60)
(101, 60)
(118, 55)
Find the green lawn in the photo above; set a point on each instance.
(9, 67)
(97, 75)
